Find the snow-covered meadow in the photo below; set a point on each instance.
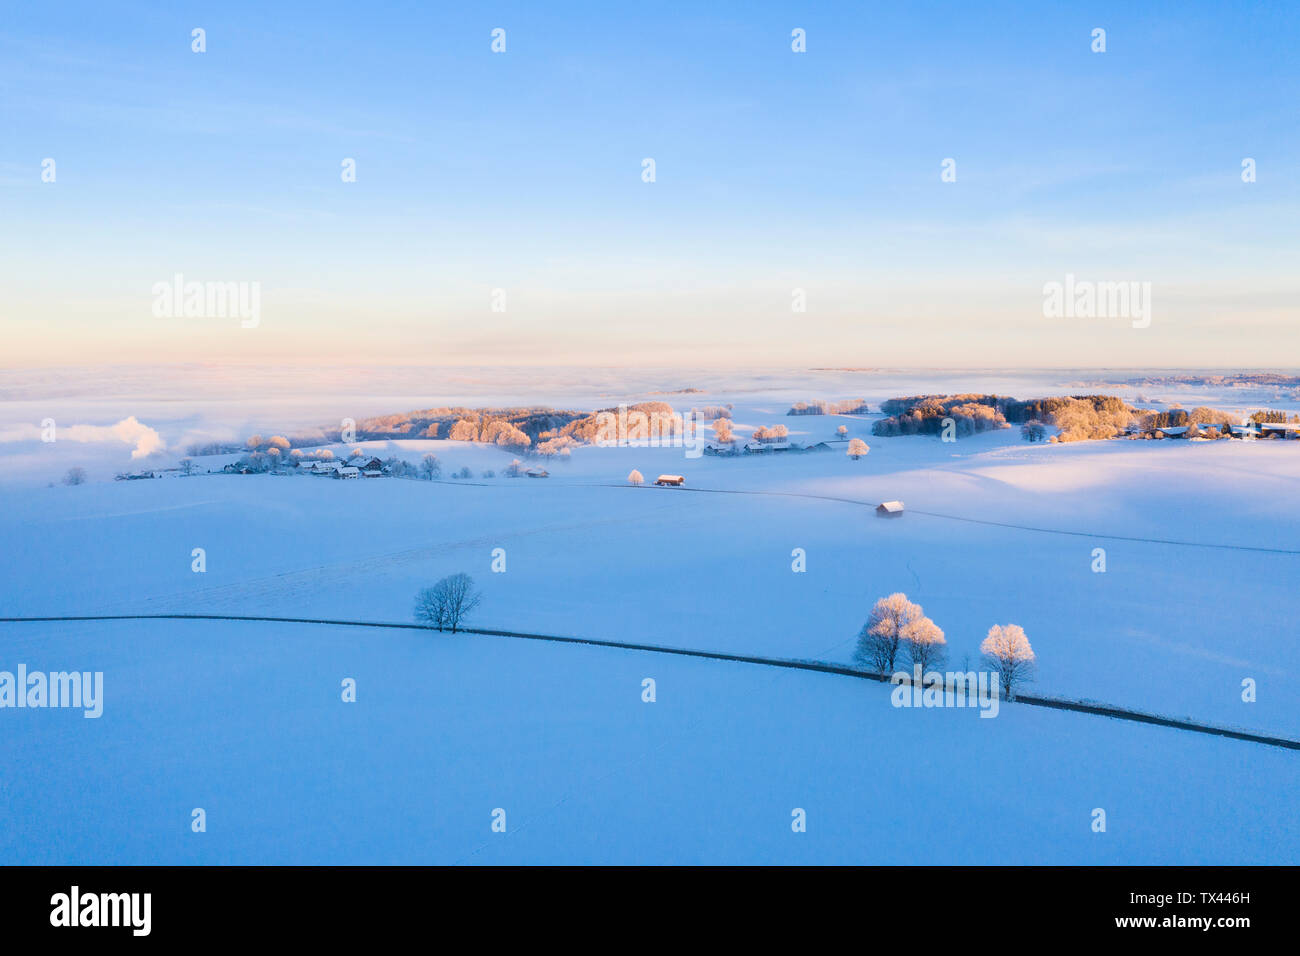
(245, 719)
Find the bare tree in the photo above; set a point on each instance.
(857, 448)
(446, 604)
(1007, 651)
(925, 645)
(75, 476)
(880, 637)
(430, 468)
(187, 466)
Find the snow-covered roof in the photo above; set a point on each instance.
(891, 505)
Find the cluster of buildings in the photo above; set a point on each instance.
(1262, 430)
(327, 467)
(727, 449)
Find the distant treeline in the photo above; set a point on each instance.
(850, 406)
(1257, 379)
(1076, 417)
(517, 427)
(925, 414)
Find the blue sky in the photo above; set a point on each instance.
(774, 171)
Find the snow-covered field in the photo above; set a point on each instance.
(245, 720)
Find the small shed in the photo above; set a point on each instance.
(675, 480)
(889, 509)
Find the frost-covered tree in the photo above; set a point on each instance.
(857, 448)
(398, 467)
(430, 468)
(446, 605)
(278, 441)
(635, 477)
(1007, 651)
(75, 476)
(464, 430)
(722, 430)
(556, 446)
(187, 466)
(254, 442)
(515, 469)
(882, 635)
(842, 431)
(925, 645)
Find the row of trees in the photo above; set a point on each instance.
(898, 631)
(773, 433)
(925, 415)
(850, 406)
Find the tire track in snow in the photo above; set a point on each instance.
(338, 575)
(996, 524)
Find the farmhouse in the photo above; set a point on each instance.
(1279, 430)
(537, 473)
(818, 446)
(347, 471)
(889, 509)
(675, 480)
(1173, 431)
